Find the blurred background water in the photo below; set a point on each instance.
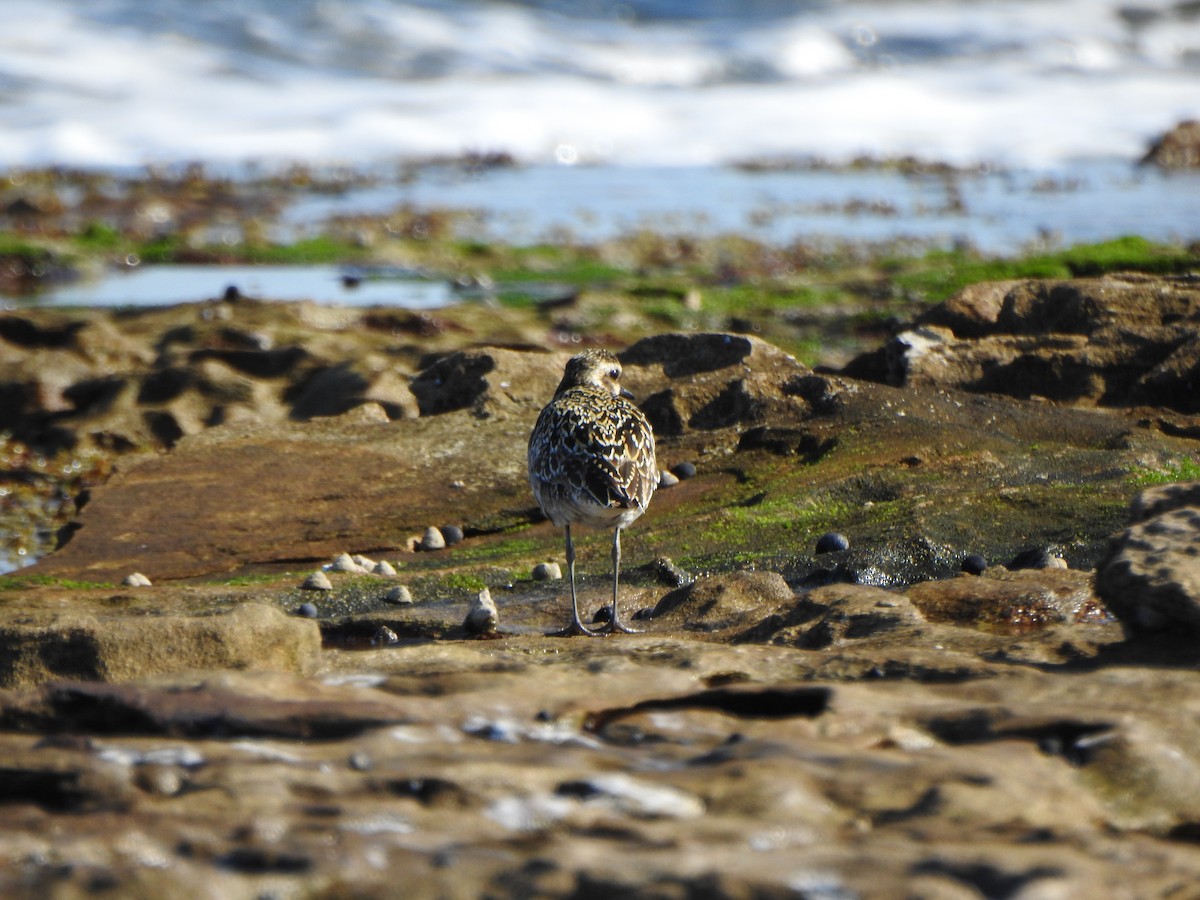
(622, 115)
(676, 82)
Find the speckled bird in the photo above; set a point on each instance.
(591, 462)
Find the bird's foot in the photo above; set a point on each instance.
(624, 629)
(576, 629)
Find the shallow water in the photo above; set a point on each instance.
(1004, 212)
(163, 285)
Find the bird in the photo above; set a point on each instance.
(592, 463)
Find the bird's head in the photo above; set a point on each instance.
(593, 368)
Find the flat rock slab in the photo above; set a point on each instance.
(112, 647)
(523, 766)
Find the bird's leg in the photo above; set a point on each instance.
(615, 624)
(576, 626)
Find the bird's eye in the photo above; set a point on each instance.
(614, 373)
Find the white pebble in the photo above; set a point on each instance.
(367, 565)
(383, 567)
(344, 563)
(433, 539)
(399, 594)
(317, 581)
(547, 571)
(136, 579)
(666, 479)
(482, 616)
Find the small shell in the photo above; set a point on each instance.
(384, 636)
(344, 563)
(317, 581)
(398, 594)
(433, 539)
(136, 579)
(547, 571)
(482, 616)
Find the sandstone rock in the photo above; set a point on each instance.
(1161, 498)
(1179, 148)
(123, 648)
(1150, 578)
(1021, 600)
(713, 381)
(725, 601)
(835, 614)
(242, 704)
(1115, 340)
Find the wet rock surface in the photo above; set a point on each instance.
(864, 721)
(1118, 340)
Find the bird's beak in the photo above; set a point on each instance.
(626, 393)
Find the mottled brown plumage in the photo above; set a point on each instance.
(591, 460)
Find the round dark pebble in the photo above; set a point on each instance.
(307, 610)
(974, 564)
(646, 612)
(683, 471)
(603, 614)
(452, 533)
(831, 542)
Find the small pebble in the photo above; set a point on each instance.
(344, 563)
(433, 539)
(974, 564)
(367, 565)
(683, 471)
(831, 542)
(384, 636)
(482, 616)
(451, 534)
(166, 781)
(136, 579)
(547, 571)
(383, 567)
(399, 594)
(307, 610)
(666, 479)
(317, 581)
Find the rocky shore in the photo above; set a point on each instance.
(986, 689)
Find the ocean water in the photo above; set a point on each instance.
(1025, 83)
(622, 116)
